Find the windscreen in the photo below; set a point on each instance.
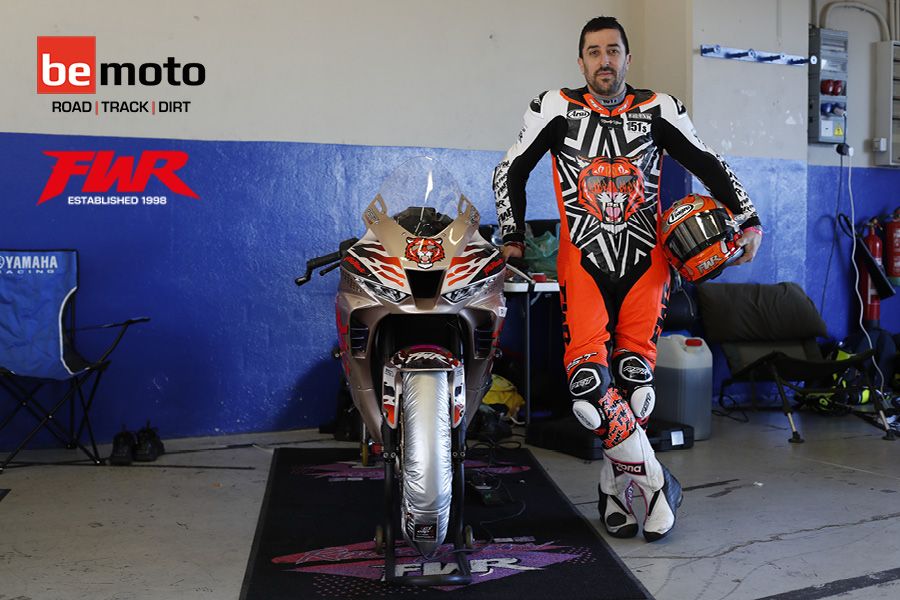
(421, 196)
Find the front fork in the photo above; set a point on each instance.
(462, 536)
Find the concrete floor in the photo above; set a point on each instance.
(761, 518)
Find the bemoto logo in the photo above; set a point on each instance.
(67, 65)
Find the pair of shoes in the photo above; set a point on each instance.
(145, 446)
(618, 516)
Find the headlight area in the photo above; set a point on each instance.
(470, 291)
(382, 291)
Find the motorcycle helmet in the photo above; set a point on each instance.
(699, 237)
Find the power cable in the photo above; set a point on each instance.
(834, 237)
(856, 271)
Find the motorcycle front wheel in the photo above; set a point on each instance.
(426, 479)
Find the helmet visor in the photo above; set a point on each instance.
(697, 233)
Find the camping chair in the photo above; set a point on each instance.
(768, 334)
(37, 325)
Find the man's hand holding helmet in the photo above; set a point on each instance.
(750, 240)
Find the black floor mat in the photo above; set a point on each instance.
(317, 522)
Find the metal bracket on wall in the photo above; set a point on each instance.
(751, 55)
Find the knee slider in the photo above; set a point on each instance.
(588, 414)
(642, 401)
(635, 378)
(587, 384)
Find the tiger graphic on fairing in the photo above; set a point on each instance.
(424, 251)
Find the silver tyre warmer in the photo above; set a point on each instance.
(426, 476)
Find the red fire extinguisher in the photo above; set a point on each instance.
(871, 301)
(892, 247)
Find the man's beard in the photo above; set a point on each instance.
(600, 88)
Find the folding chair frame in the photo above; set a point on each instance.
(793, 373)
(46, 418)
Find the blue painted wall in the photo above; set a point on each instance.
(876, 193)
(233, 345)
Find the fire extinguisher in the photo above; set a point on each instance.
(892, 247)
(871, 301)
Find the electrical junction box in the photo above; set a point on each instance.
(828, 86)
(887, 104)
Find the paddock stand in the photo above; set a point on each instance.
(463, 541)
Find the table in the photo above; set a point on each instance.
(533, 291)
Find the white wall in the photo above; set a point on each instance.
(447, 74)
(746, 109)
(743, 108)
(401, 72)
(663, 50)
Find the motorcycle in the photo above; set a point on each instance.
(419, 309)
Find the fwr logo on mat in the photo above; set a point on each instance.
(68, 65)
(131, 175)
(504, 557)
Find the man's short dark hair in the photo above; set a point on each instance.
(598, 23)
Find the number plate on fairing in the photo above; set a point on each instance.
(458, 385)
(389, 396)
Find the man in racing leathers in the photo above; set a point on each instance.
(606, 142)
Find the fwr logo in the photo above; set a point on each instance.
(67, 65)
(102, 170)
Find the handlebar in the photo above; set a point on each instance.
(519, 267)
(330, 261)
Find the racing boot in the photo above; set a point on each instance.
(601, 408)
(661, 507)
(632, 459)
(615, 506)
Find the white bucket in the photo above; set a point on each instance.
(683, 381)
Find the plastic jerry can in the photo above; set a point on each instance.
(683, 381)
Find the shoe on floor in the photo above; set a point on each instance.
(123, 448)
(149, 447)
(616, 514)
(661, 507)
